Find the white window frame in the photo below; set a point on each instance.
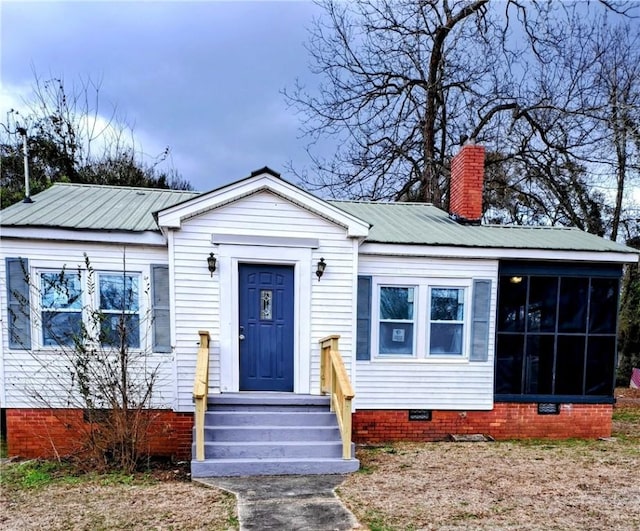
(141, 288)
(464, 322)
(88, 303)
(421, 317)
(377, 320)
(38, 323)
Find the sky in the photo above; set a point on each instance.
(204, 78)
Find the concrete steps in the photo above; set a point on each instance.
(271, 434)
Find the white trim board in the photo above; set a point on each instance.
(173, 217)
(77, 235)
(264, 241)
(435, 251)
(230, 256)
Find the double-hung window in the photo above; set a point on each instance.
(396, 320)
(64, 304)
(120, 309)
(429, 318)
(50, 307)
(446, 321)
(61, 307)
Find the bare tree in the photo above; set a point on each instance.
(403, 83)
(396, 83)
(94, 359)
(73, 138)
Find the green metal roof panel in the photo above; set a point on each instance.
(93, 207)
(424, 224)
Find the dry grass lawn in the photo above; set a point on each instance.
(536, 485)
(102, 504)
(585, 485)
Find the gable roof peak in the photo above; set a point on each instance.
(266, 170)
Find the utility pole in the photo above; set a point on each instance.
(27, 193)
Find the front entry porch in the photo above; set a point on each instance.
(258, 433)
(274, 433)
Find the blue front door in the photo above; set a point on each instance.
(266, 327)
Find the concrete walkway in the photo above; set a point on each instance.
(288, 503)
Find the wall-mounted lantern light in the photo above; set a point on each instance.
(321, 267)
(211, 263)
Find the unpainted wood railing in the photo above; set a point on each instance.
(200, 390)
(335, 381)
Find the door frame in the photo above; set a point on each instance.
(229, 258)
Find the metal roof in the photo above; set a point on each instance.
(424, 224)
(93, 207)
(113, 208)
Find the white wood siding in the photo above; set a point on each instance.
(328, 308)
(427, 383)
(41, 371)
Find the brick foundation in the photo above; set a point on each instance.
(50, 433)
(505, 421)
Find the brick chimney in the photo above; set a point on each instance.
(467, 179)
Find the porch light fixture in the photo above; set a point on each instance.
(211, 263)
(321, 267)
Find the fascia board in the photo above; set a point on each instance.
(173, 217)
(356, 227)
(441, 251)
(90, 236)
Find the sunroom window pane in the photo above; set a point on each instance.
(574, 300)
(396, 303)
(600, 365)
(509, 353)
(512, 303)
(604, 305)
(570, 365)
(539, 364)
(543, 301)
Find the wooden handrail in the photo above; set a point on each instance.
(335, 381)
(200, 390)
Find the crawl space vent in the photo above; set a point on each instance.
(545, 408)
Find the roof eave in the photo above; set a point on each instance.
(172, 217)
(118, 237)
(497, 253)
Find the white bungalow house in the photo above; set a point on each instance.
(445, 326)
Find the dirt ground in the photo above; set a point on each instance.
(585, 485)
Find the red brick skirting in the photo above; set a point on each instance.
(50, 433)
(505, 421)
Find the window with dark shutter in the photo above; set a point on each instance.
(481, 308)
(18, 307)
(363, 345)
(160, 312)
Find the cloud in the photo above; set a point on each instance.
(203, 78)
(12, 98)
